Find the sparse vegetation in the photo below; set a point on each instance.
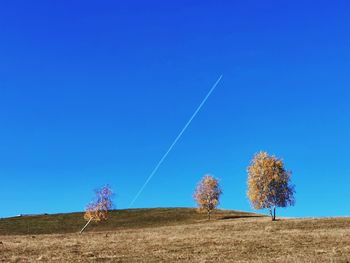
(180, 235)
(97, 210)
(117, 220)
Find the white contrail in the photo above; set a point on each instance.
(174, 142)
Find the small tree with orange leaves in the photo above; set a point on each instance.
(207, 194)
(98, 209)
(269, 183)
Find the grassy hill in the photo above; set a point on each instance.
(175, 235)
(118, 219)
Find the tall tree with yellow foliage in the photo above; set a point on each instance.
(269, 183)
(207, 194)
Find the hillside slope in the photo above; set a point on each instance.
(118, 219)
(253, 239)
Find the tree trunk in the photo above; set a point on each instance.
(82, 230)
(273, 213)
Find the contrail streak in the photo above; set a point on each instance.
(174, 142)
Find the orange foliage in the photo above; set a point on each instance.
(98, 210)
(269, 183)
(207, 194)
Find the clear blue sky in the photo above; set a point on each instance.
(95, 92)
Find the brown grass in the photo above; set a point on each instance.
(230, 240)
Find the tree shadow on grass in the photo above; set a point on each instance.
(239, 216)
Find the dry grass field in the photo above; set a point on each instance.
(229, 237)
